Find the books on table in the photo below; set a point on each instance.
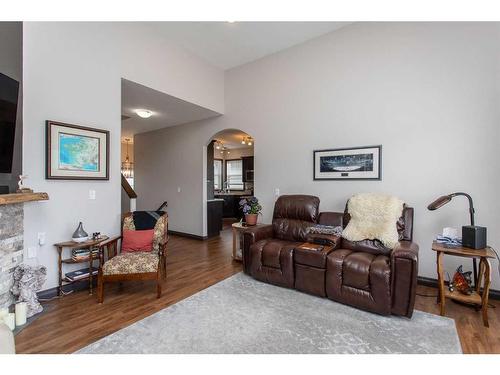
(80, 274)
(83, 254)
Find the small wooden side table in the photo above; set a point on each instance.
(478, 297)
(238, 230)
(73, 246)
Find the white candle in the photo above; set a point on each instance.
(10, 321)
(21, 309)
(3, 312)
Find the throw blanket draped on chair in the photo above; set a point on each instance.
(374, 216)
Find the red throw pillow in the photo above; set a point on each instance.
(137, 240)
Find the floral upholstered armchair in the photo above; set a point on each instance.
(142, 254)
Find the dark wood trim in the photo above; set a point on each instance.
(188, 235)
(128, 189)
(429, 281)
(48, 171)
(378, 178)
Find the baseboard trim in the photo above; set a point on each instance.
(188, 235)
(75, 287)
(428, 281)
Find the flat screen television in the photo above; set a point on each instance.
(9, 90)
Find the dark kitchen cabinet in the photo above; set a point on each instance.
(228, 206)
(214, 217)
(210, 171)
(231, 207)
(247, 164)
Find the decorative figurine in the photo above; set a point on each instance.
(463, 281)
(20, 185)
(80, 235)
(27, 281)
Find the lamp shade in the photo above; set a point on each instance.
(441, 201)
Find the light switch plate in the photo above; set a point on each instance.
(41, 238)
(276, 192)
(179, 189)
(32, 252)
(92, 194)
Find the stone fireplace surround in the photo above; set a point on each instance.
(11, 239)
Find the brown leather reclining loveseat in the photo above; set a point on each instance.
(364, 274)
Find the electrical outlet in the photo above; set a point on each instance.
(92, 194)
(41, 238)
(32, 252)
(179, 189)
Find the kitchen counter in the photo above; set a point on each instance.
(236, 192)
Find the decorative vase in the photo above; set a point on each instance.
(251, 219)
(80, 235)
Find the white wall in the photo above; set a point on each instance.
(428, 92)
(72, 73)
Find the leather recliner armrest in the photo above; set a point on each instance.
(407, 250)
(251, 236)
(404, 270)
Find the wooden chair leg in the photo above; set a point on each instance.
(165, 270)
(158, 287)
(100, 288)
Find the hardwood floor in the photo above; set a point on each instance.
(77, 320)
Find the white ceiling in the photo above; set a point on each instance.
(222, 44)
(227, 45)
(167, 110)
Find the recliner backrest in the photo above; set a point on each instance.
(294, 215)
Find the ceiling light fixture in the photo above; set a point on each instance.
(144, 113)
(127, 165)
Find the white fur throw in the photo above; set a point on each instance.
(374, 216)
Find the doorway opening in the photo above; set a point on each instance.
(230, 178)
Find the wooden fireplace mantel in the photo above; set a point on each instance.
(24, 197)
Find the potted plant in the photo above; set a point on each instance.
(251, 208)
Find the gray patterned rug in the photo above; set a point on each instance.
(242, 315)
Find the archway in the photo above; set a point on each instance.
(229, 178)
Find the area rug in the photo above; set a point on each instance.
(243, 315)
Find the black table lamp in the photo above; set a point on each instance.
(472, 236)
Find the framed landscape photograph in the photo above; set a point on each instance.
(356, 163)
(76, 152)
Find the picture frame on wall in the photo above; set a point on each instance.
(353, 163)
(76, 152)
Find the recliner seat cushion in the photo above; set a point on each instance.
(359, 279)
(272, 261)
(271, 252)
(356, 270)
